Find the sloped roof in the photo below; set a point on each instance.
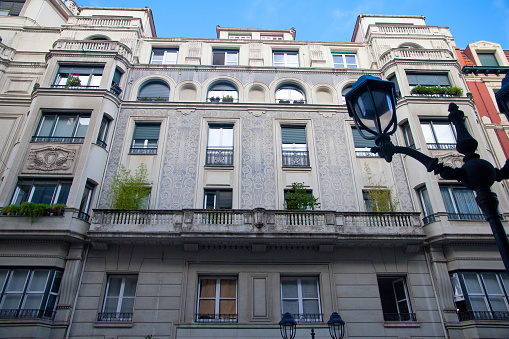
(466, 59)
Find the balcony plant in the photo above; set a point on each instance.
(115, 88)
(32, 210)
(227, 98)
(380, 197)
(11, 210)
(284, 101)
(436, 91)
(214, 99)
(300, 199)
(73, 80)
(129, 190)
(56, 209)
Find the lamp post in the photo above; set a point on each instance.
(288, 327)
(372, 104)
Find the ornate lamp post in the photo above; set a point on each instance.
(288, 327)
(372, 104)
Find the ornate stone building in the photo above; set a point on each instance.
(225, 127)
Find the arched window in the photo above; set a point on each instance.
(345, 90)
(290, 94)
(154, 91)
(409, 45)
(98, 38)
(222, 92)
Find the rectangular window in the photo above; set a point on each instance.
(481, 295)
(271, 37)
(294, 146)
(86, 200)
(395, 300)
(165, 56)
(89, 76)
(217, 300)
(218, 199)
(41, 191)
(68, 128)
(145, 138)
(439, 134)
(344, 60)
(103, 132)
(427, 209)
(407, 135)
(220, 145)
(285, 59)
(11, 7)
(300, 296)
(225, 57)
(488, 59)
(293, 203)
(460, 203)
(428, 79)
(239, 36)
(394, 79)
(119, 298)
(362, 146)
(377, 200)
(29, 293)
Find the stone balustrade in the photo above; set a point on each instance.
(93, 46)
(105, 21)
(414, 54)
(6, 52)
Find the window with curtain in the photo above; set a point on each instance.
(220, 145)
(290, 94)
(427, 209)
(61, 127)
(119, 298)
(89, 76)
(481, 295)
(362, 146)
(41, 191)
(223, 92)
(145, 138)
(460, 203)
(217, 300)
(294, 146)
(29, 293)
(154, 91)
(300, 296)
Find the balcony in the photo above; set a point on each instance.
(215, 318)
(414, 54)
(92, 46)
(67, 140)
(400, 317)
(307, 317)
(219, 157)
(295, 159)
(259, 224)
(27, 314)
(441, 146)
(115, 316)
(483, 315)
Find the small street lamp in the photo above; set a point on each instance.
(371, 102)
(288, 326)
(502, 96)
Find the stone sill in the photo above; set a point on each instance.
(401, 324)
(113, 324)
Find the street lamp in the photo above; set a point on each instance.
(288, 326)
(371, 102)
(502, 96)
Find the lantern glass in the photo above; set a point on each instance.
(336, 326)
(287, 326)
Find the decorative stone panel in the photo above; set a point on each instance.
(194, 53)
(51, 159)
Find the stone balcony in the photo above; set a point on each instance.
(92, 46)
(255, 226)
(402, 29)
(414, 54)
(104, 21)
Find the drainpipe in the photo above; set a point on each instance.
(428, 263)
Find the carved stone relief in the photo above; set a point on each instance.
(55, 159)
(453, 160)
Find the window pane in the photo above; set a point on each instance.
(232, 58)
(110, 306)
(11, 301)
(426, 203)
(81, 129)
(472, 283)
(64, 126)
(279, 58)
(38, 281)
(227, 307)
(310, 306)
(309, 288)
(289, 289)
(95, 80)
(444, 134)
(218, 58)
(170, 57)
(21, 194)
(403, 306)
(488, 59)
(3, 278)
(157, 56)
(127, 305)
(17, 281)
(207, 307)
(46, 125)
(228, 288)
(130, 287)
(465, 201)
(33, 301)
(446, 197)
(478, 303)
(43, 194)
(428, 133)
(114, 287)
(208, 288)
(63, 194)
(291, 306)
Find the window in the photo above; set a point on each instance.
(289, 94)
(223, 92)
(164, 56)
(68, 128)
(460, 203)
(41, 191)
(297, 202)
(439, 134)
(271, 37)
(115, 83)
(29, 293)
(285, 59)
(344, 92)
(154, 91)
(12, 7)
(488, 59)
(394, 79)
(220, 145)
(294, 146)
(86, 199)
(217, 300)
(377, 200)
(427, 209)
(344, 60)
(239, 36)
(225, 57)
(481, 295)
(300, 296)
(362, 146)
(103, 132)
(119, 298)
(395, 301)
(428, 79)
(89, 76)
(407, 135)
(218, 199)
(145, 138)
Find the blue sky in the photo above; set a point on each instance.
(331, 20)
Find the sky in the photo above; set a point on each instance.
(327, 20)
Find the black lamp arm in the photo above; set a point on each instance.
(503, 173)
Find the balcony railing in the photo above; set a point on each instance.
(68, 140)
(466, 216)
(365, 154)
(153, 98)
(93, 46)
(440, 146)
(483, 315)
(25, 313)
(219, 157)
(400, 317)
(115, 317)
(143, 150)
(295, 158)
(413, 53)
(307, 317)
(74, 87)
(101, 143)
(429, 218)
(83, 216)
(290, 102)
(216, 318)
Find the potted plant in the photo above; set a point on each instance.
(56, 209)
(11, 210)
(115, 88)
(36, 86)
(73, 80)
(284, 101)
(214, 99)
(227, 98)
(32, 210)
(298, 102)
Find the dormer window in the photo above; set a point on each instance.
(488, 59)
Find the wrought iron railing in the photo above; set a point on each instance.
(115, 316)
(294, 102)
(429, 218)
(367, 154)
(75, 87)
(483, 315)
(101, 143)
(27, 313)
(440, 146)
(153, 98)
(465, 216)
(307, 317)
(217, 100)
(83, 216)
(69, 140)
(216, 318)
(400, 317)
(296, 158)
(219, 157)
(143, 150)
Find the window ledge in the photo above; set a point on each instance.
(114, 324)
(401, 324)
(297, 168)
(222, 167)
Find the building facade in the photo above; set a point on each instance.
(224, 128)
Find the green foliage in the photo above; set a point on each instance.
(437, 90)
(56, 208)
(130, 189)
(11, 210)
(300, 199)
(227, 98)
(380, 197)
(73, 80)
(32, 210)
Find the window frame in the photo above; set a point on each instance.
(135, 148)
(92, 76)
(302, 317)
(295, 156)
(437, 82)
(344, 63)
(34, 183)
(217, 316)
(364, 149)
(86, 201)
(54, 125)
(455, 214)
(385, 299)
(427, 208)
(220, 155)
(214, 192)
(128, 316)
(219, 95)
(141, 97)
(437, 145)
(290, 98)
(103, 131)
(166, 53)
(285, 63)
(226, 52)
(13, 10)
